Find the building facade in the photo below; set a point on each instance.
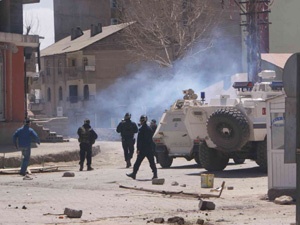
(14, 48)
(70, 14)
(284, 29)
(74, 73)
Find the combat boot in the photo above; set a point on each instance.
(90, 168)
(128, 164)
(154, 175)
(132, 175)
(81, 167)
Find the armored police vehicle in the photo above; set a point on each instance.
(212, 133)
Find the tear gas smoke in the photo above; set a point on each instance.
(151, 90)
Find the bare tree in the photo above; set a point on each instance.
(31, 24)
(165, 30)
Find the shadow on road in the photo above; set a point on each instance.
(234, 173)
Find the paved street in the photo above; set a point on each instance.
(43, 199)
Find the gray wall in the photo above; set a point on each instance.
(70, 14)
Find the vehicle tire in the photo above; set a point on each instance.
(212, 159)
(261, 155)
(228, 129)
(164, 159)
(238, 160)
(197, 159)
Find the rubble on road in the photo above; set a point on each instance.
(283, 200)
(73, 213)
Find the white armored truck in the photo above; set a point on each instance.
(212, 133)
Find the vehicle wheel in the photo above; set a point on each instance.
(164, 160)
(238, 160)
(197, 159)
(228, 128)
(261, 155)
(212, 159)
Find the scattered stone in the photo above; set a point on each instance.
(159, 220)
(72, 213)
(200, 221)
(24, 207)
(174, 183)
(158, 181)
(230, 188)
(206, 205)
(283, 200)
(68, 174)
(176, 219)
(183, 185)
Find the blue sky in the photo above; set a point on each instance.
(40, 16)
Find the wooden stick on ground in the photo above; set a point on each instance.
(180, 193)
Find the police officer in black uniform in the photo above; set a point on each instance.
(87, 137)
(144, 148)
(127, 129)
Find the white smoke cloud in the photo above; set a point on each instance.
(151, 90)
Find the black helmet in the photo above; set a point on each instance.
(127, 116)
(143, 119)
(87, 121)
(153, 121)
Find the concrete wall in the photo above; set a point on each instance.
(284, 30)
(70, 14)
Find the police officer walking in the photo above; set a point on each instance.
(87, 137)
(127, 129)
(144, 148)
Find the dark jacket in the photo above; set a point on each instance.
(24, 136)
(144, 139)
(153, 127)
(86, 134)
(127, 128)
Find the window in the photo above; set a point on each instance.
(73, 62)
(113, 4)
(113, 21)
(49, 95)
(277, 130)
(48, 68)
(86, 92)
(73, 93)
(60, 94)
(85, 61)
(59, 67)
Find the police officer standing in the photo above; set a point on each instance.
(144, 148)
(127, 129)
(87, 137)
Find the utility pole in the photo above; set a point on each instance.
(256, 25)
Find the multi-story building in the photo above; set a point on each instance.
(13, 74)
(76, 68)
(81, 13)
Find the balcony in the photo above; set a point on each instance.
(76, 99)
(37, 105)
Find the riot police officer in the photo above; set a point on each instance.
(127, 129)
(144, 148)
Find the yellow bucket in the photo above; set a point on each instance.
(207, 180)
